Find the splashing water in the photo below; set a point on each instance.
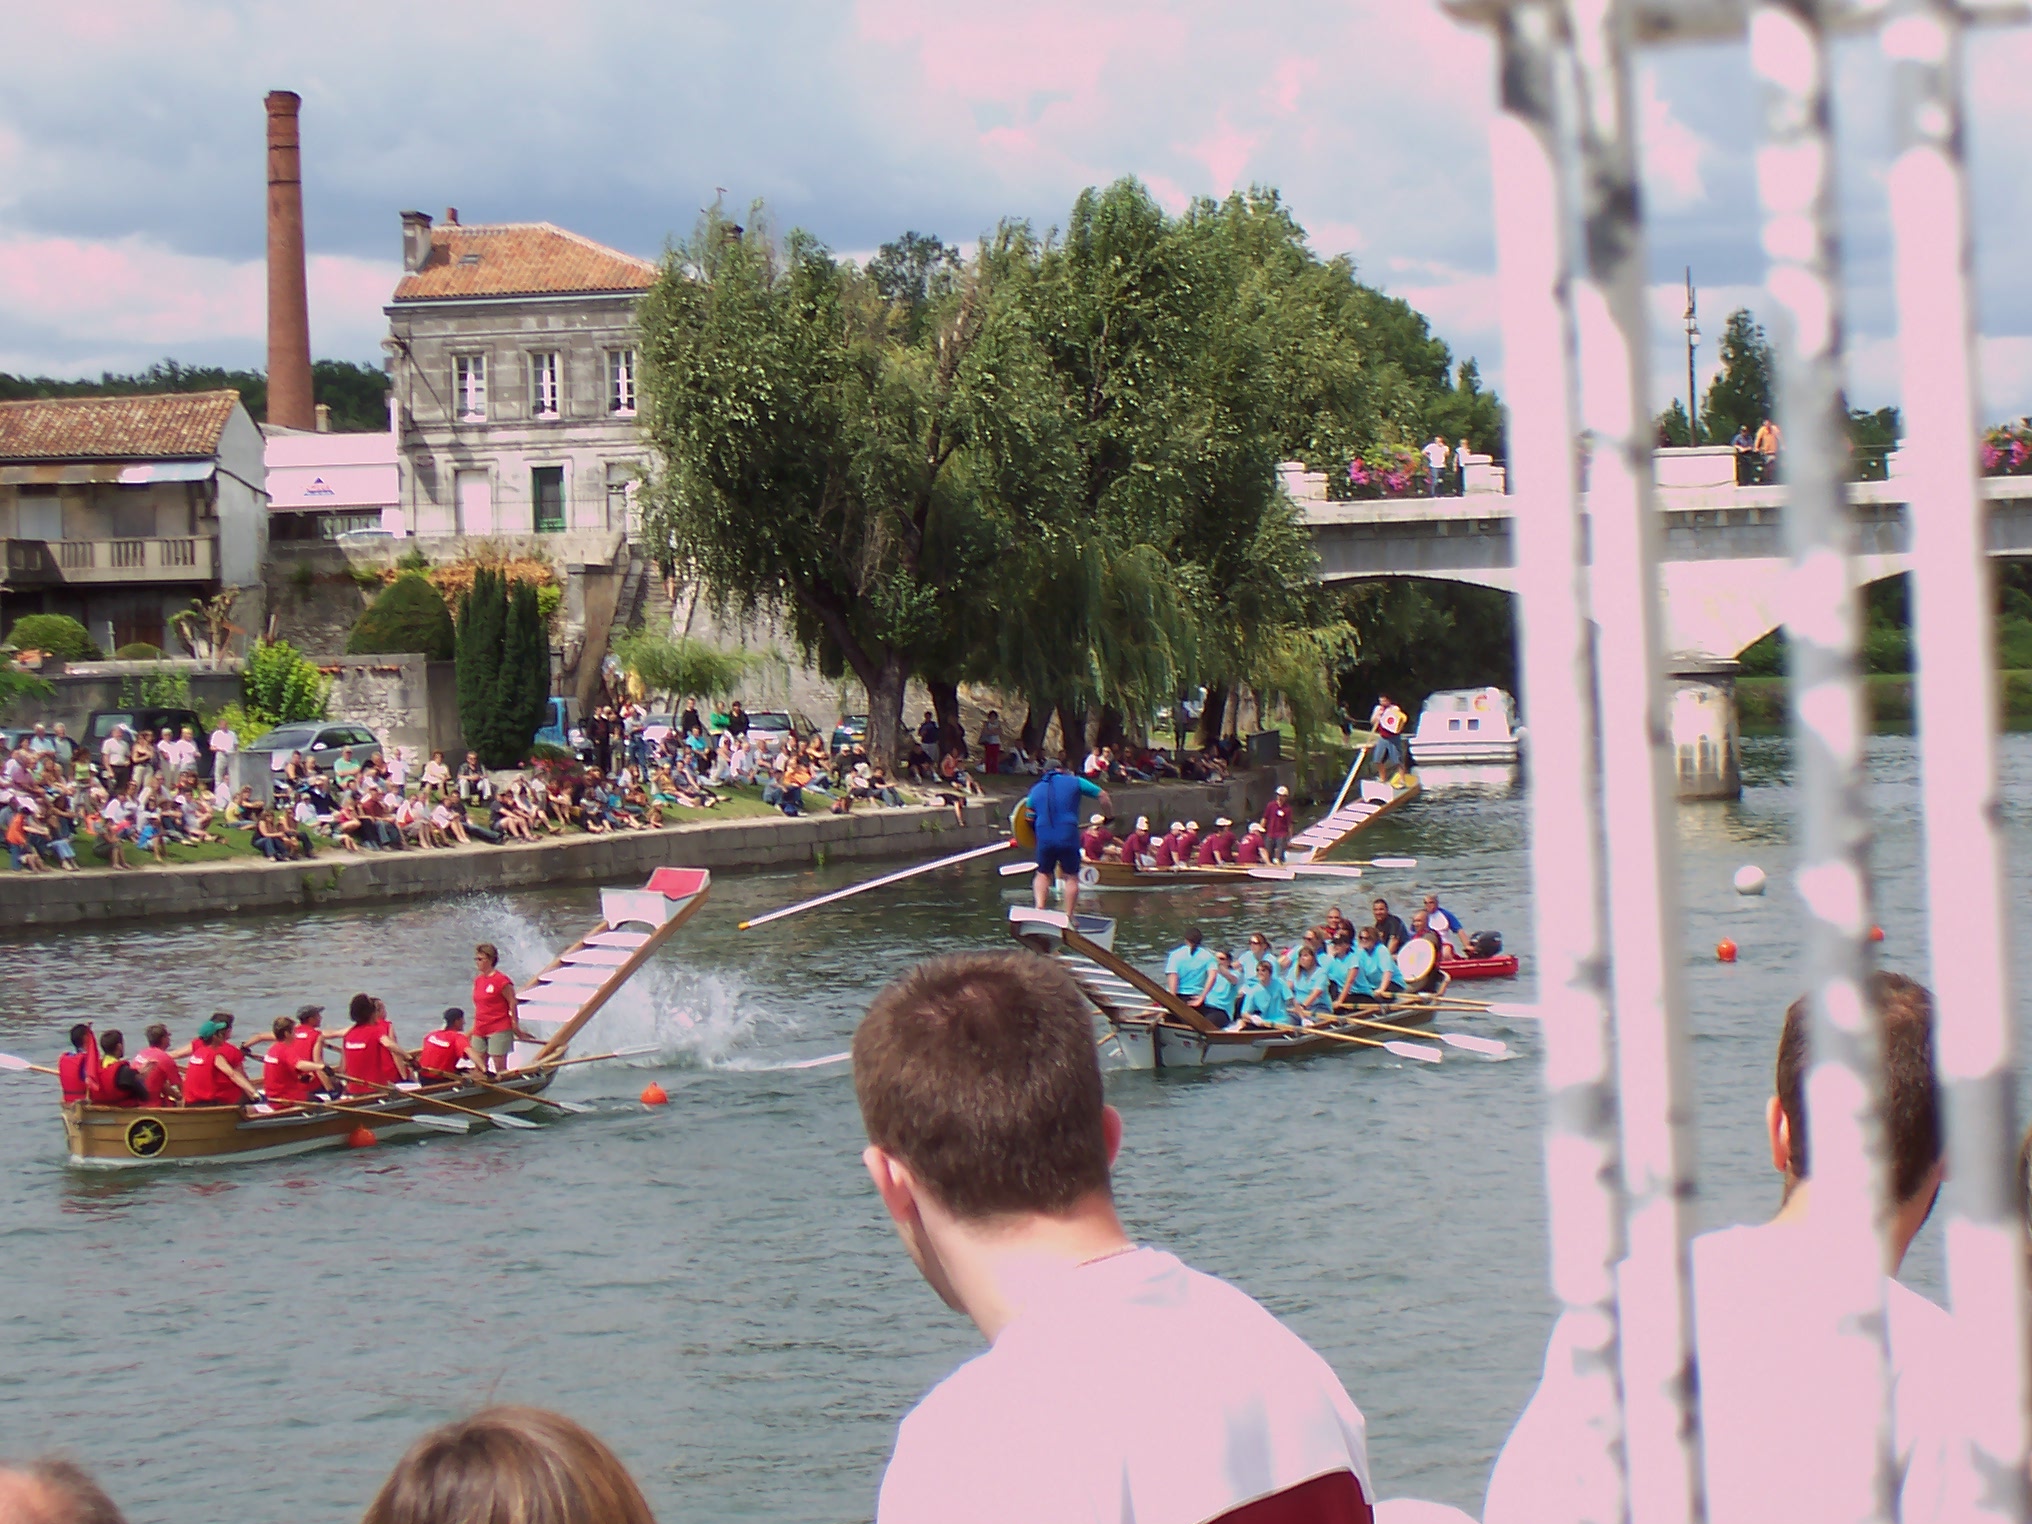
(690, 1017)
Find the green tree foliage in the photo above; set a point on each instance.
(525, 678)
(409, 616)
(356, 394)
(1417, 637)
(1675, 431)
(683, 668)
(58, 634)
(282, 685)
(482, 629)
(1872, 438)
(16, 685)
(1740, 397)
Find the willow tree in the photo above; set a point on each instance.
(807, 442)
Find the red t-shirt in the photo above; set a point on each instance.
(490, 1003)
(368, 1058)
(280, 1078)
(158, 1072)
(1249, 849)
(442, 1051)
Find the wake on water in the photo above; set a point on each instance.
(683, 1016)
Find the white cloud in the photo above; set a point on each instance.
(1673, 151)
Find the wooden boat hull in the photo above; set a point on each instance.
(1114, 875)
(1150, 1045)
(1319, 841)
(124, 1137)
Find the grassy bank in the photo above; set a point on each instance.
(1761, 702)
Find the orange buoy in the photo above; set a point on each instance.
(1876, 933)
(1725, 950)
(653, 1095)
(361, 1137)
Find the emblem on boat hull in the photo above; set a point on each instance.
(146, 1138)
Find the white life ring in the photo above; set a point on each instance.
(1090, 875)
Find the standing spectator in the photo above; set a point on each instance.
(991, 743)
(1463, 457)
(1745, 447)
(224, 745)
(116, 755)
(633, 718)
(141, 754)
(737, 721)
(689, 724)
(1435, 453)
(600, 731)
(1766, 448)
(990, 1146)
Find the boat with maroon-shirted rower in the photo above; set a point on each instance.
(553, 1007)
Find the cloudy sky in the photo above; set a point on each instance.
(131, 168)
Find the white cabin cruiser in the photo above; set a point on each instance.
(1467, 725)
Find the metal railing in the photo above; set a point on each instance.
(1571, 270)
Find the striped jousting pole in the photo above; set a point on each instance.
(1953, 603)
(1789, 56)
(1582, 1174)
(1660, 1416)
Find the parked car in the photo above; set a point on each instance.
(852, 730)
(769, 730)
(560, 719)
(320, 741)
(155, 721)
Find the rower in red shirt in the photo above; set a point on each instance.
(1219, 848)
(116, 1083)
(158, 1069)
(1098, 839)
(1165, 849)
(438, 1058)
(1136, 845)
(1249, 850)
(1277, 823)
(373, 1058)
(215, 1074)
(287, 1073)
(77, 1069)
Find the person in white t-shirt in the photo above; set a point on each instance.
(1776, 1391)
(1119, 1383)
(224, 744)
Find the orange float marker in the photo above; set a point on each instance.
(1725, 950)
(361, 1137)
(1876, 933)
(653, 1095)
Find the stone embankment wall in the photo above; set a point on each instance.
(406, 701)
(213, 889)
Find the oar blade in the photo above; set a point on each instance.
(503, 1119)
(1016, 870)
(1513, 1011)
(1281, 874)
(458, 1125)
(1393, 862)
(1328, 870)
(1412, 1050)
(14, 1065)
(1467, 1044)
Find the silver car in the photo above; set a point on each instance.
(320, 741)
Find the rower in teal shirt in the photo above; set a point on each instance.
(1189, 968)
(1264, 1001)
(1375, 971)
(1339, 964)
(1224, 989)
(1310, 996)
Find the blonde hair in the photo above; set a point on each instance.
(510, 1465)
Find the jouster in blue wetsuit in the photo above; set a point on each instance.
(1055, 813)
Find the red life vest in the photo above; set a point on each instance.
(78, 1073)
(442, 1051)
(281, 1080)
(367, 1058)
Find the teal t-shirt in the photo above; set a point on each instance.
(1265, 1002)
(1221, 994)
(1338, 967)
(1371, 964)
(1193, 967)
(1310, 987)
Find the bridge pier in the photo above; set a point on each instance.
(1705, 742)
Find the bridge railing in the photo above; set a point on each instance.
(1618, 1158)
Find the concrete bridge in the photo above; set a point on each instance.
(1721, 581)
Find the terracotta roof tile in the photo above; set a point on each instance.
(519, 259)
(164, 425)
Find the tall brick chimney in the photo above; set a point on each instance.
(289, 395)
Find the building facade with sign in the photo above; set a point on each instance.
(514, 363)
(323, 485)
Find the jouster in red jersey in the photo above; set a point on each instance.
(496, 1021)
(445, 1049)
(373, 1058)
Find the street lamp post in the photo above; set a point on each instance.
(1692, 343)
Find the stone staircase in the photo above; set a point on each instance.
(644, 602)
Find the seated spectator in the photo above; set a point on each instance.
(346, 771)
(346, 826)
(437, 776)
(918, 764)
(148, 825)
(785, 788)
(449, 823)
(23, 855)
(990, 1146)
(412, 816)
(272, 840)
(474, 784)
(509, 1463)
(953, 776)
(508, 818)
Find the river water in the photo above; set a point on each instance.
(712, 1285)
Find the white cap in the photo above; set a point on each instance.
(1192, 825)
(1255, 825)
(1142, 822)
(1224, 821)
(1282, 789)
(1095, 819)
(1178, 825)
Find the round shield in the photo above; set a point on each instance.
(1415, 959)
(1022, 828)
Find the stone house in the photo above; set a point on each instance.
(514, 361)
(119, 511)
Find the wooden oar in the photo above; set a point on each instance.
(498, 1118)
(589, 1058)
(1466, 1044)
(873, 883)
(12, 1065)
(442, 1124)
(572, 1107)
(1423, 1055)
(1015, 870)
(1508, 1009)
